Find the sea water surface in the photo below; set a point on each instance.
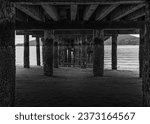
(128, 56)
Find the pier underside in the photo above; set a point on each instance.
(73, 31)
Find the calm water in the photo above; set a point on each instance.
(127, 57)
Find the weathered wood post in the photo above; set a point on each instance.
(98, 55)
(65, 54)
(56, 55)
(7, 53)
(76, 52)
(69, 54)
(79, 50)
(48, 52)
(38, 51)
(60, 53)
(88, 53)
(84, 52)
(114, 52)
(141, 52)
(42, 41)
(91, 56)
(26, 52)
(146, 59)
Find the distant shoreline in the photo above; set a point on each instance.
(122, 40)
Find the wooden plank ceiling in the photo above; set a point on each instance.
(53, 13)
(79, 10)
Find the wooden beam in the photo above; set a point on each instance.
(125, 10)
(80, 25)
(51, 11)
(40, 36)
(90, 32)
(22, 32)
(76, 32)
(73, 12)
(146, 59)
(62, 2)
(113, 32)
(31, 11)
(20, 16)
(135, 15)
(90, 9)
(102, 13)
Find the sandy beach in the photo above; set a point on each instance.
(74, 87)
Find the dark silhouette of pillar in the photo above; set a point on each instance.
(7, 53)
(98, 55)
(141, 52)
(79, 50)
(56, 55)
(76, 53)
(60, 54)
(26, 52)
(84, 52)
(88, 53)
(146, 59)
(65, 54)
(42, 41)
(38, 51)
(48, 52)
(114, 52)
(69, 56)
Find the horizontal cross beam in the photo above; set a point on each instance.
(80, 25)
(76, 32)
(55, 2)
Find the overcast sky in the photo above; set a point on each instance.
(20, 39)
(136, 35)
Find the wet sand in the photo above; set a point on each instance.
(75, 87)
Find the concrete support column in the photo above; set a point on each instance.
(98, 55)
(38, 51)
(84, 52)
(26, 52)
(48, 52)
(141, 52)
(56, 55)
(114, 52)
(146, 59)
(7, 53)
